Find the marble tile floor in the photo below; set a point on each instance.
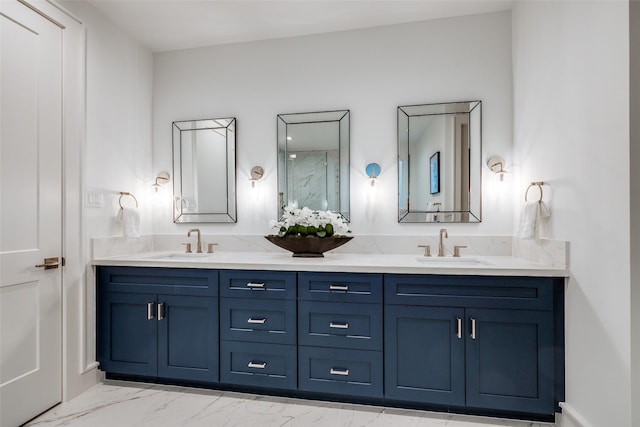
(125, 404)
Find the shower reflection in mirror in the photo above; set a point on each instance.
(313, 161)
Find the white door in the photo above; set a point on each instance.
(30, 213)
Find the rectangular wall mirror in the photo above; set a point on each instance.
(204, 170)
(313, 161)
(439, 162)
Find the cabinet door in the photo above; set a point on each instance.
(510, 360)
(188, 338)
(127, 331)
(424, 354)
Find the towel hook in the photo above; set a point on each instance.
(125, 193)
(539, 184)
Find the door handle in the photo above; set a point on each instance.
(473, 328)
(459, 327)
(161, 311)
(50, 263)
(150, 310)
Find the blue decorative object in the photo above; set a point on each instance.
(434, 168)
(373, 170)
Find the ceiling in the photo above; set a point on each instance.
(162, 25)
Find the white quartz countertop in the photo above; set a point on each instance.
(341, 262)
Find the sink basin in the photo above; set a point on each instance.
(181, 256)
(451, 261)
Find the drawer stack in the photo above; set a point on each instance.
(258, 328)
(340, 334)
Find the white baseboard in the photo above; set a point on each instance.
(571, 418)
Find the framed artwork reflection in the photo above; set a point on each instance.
(434, 173)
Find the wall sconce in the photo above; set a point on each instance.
(161, 179)
(372, 170)
(496, 165)
(256, 175)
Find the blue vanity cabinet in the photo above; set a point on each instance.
(258, 329)
(483, 343)
(340, 334)
(158, 322)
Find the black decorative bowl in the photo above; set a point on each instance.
(308, 246)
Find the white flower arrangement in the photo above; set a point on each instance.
(306, 222)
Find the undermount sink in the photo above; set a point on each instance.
(182, 256)
(452, 261)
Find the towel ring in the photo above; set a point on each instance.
(124, 193)
(539, 184)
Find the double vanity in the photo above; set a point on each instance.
(472, 334)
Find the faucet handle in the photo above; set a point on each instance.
(456, 250)
(210, 247)
(427, 249)
(188, 245)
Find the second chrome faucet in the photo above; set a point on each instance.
(199, 242)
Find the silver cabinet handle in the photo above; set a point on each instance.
(161, 311)
(255, 285)
(257, 365)
(339, 288)
(473, 328)
(459, 327)
(257, 321)
(150, 310)
(339, 325)
(335, 371)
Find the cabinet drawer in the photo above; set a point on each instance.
(261, 365)
(341, 325)
(258, 284)
(471, 291)
(340, 287)
(269, 321)
(170, 281)
(352, 372)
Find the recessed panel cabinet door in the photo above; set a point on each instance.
(510, 360)
(127, 342)
(424, 354)
(188, 338)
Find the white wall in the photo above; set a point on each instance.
(571, 129)
(370, 72)
(634, 113)
(115, 156)
(119, 97)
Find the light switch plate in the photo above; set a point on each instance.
(95, 199)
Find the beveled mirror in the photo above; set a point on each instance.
(313, 161)
(439, 162)
(204, 170)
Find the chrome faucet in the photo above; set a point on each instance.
(443, 235)
(199, 244)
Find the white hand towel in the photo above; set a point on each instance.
(528, 218)
(130, 219)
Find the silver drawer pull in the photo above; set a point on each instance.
(150, 310)
(257, 321)
(343, 372)
(339, 288)
(257, 365)
(255, 285)
(339, 325)
(473, 328)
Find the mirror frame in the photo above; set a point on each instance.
(474, 213)
(343, 118)
(230, 128)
